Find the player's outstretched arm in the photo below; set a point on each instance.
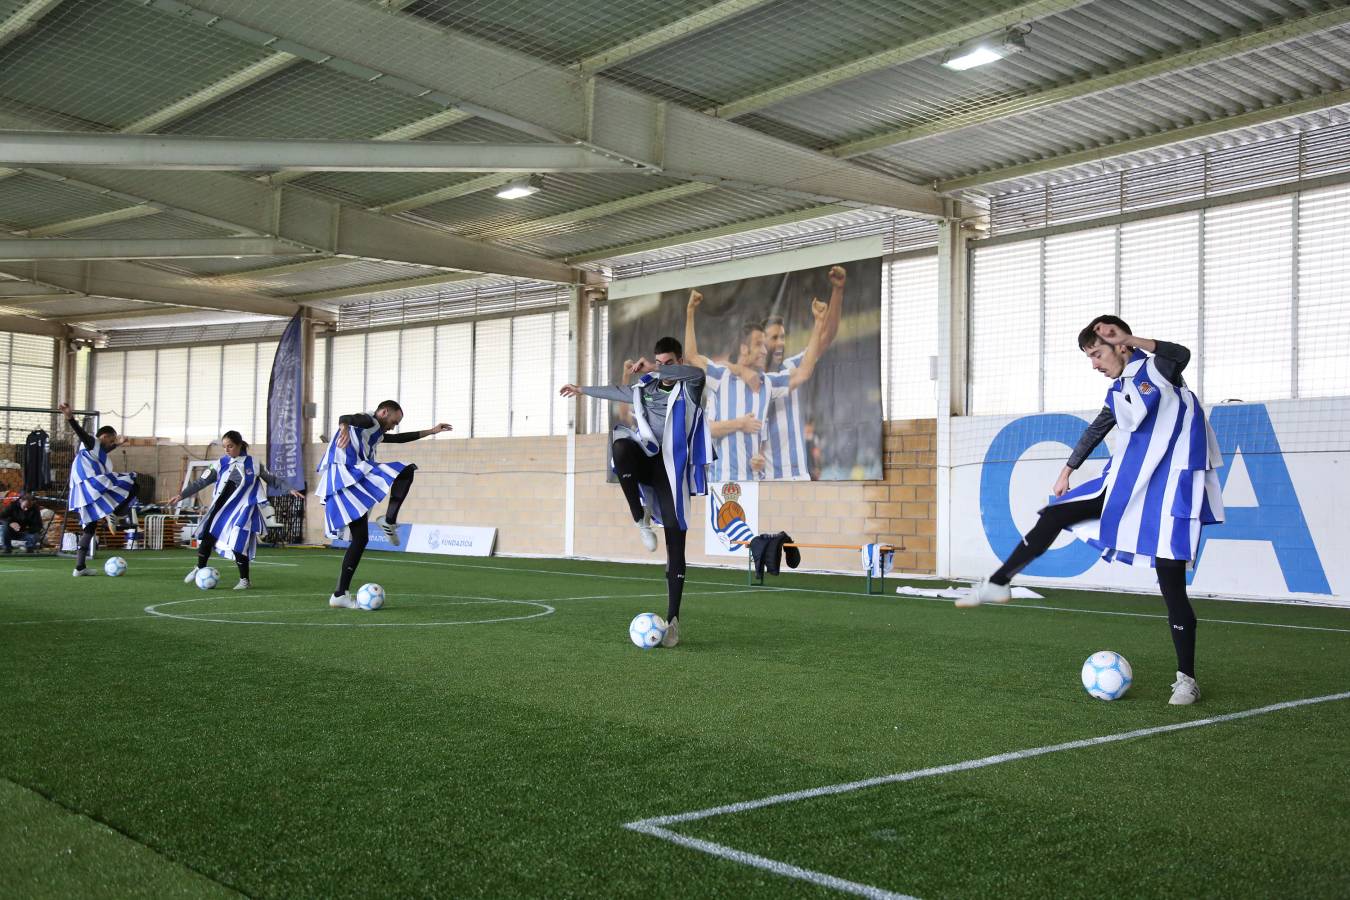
(406, 436)
(838, 277)
(802, 373)
(690, 337)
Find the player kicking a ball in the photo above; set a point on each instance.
(351, 482)
(96, 491)
(1157, 491)
(662, 459)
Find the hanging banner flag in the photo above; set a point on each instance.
(285, 427)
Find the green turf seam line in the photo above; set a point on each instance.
(655, 826)
(135, 840)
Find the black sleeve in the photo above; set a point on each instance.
(85, 438)
(1092, 436)
(401, 437)
(1171, 360)
(360, 420)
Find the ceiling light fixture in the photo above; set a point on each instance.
(521, 187)
(990, 48)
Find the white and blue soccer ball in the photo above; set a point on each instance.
(647, 630)
(115, 566)
(1107, 675)
(207, 578)
(370, 597)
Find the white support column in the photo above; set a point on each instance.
(953, 365)
(576, 323)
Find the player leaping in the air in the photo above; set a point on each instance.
(351, 482)
(662, 459)
(1157, 491)
(95, 490)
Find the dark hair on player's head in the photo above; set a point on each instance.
(748, 330)
(106, 429)
(238, 439)
(669, 345)
(1087, 338)
(775, 320)
(391, 405)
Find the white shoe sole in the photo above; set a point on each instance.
(390, 531)
(191, 576)
(338, 602)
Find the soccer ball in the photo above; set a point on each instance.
(370, 597)
(207, 578)
(1107, 675)
(115, 566)
(647, 630)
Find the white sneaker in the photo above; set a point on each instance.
(191, 576)
(672, 637)
(390, 530)
(648, 533)
(985, 592)
(1184, 691)
(243, 585)
(81, 572)
(342, 601)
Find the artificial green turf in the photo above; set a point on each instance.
(313, 757)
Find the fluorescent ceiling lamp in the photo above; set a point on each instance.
(521, 187)
(985, 50)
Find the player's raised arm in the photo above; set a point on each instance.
(690, 339)
(838, 277)
(802, 373)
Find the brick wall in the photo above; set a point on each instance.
(520, 487)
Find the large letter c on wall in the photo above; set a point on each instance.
(996, 514)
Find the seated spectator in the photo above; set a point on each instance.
(21, 519)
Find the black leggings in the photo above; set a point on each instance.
(636, 468)
(359, 529)
(1171, 572)
(208, 542)
(87, 534)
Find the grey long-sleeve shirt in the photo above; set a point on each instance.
(232, 476)
(1171, 360)
(655, 396)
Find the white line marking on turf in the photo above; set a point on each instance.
(545, 610)
(798, 590)
(655, 826)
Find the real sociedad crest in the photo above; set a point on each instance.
(727, 517)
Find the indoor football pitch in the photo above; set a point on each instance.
(492, 732)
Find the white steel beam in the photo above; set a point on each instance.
(192, 153)
(83, 222)
(1266, 37)
(381, 287)
(129, 281)
(449, 192)
(704, 234)
(667, 34)
(24, 18)
(896, 56)
(566, 106)
(45, 327)
(597, 211)
(290, 214)
(218, 90)
(19, 249)
(1148, 142)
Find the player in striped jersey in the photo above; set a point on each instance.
(1157, 491)
(351, 482)
(739, 410)
(95, 490)
(784, 441)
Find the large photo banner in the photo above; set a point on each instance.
(793, 362)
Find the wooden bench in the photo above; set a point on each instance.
(880, 580)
